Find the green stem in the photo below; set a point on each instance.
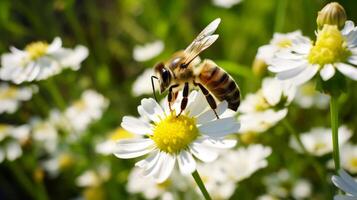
(316, 165)
(22, 179)
(334, 126)
(200, 184)
(55, 93)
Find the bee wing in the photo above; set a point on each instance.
(202, 41)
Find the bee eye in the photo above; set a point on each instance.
(165, 76)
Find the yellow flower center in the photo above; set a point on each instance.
(65, 161)
(261, 103)
(119, 134)
(330, 47)
(164, 185)
(9, 93)
(284, 43)
(353, 162)
(174, 134)
(36, 49)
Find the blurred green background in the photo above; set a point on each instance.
(111, 29)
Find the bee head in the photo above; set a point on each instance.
(164, 75)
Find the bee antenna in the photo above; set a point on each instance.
(153, 86)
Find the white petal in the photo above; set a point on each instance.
(203, 152)
(209, 114)
(345, 182)
(163, 167)
(327, 72)
(13, 151)
(353, 59)
(136, 126)
(186, 163)
(198, 105)
(292, 72)
(55, 45)
(305, 75)
(150, 161)
(152, 109)
(218, 143)
(220, 127)
(132, 148)
(343, 197)
(347, 70)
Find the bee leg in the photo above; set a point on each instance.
(184, 99)
(172, 96)
(209, 98)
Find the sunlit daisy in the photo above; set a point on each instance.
(266, 107)
(44, 133)
(349, 158)
(153, 190)
(307, 97)
(11, 96)
(318, 140)
(279, 42)
(88, 108)
(40, 60)
(107, 147)
(281, 185)
(170, 138)
(11, 139)
(220, 178)
(148, 51)
(226, 3)
(333, 49)
(347, 184)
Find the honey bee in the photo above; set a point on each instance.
(180, 72)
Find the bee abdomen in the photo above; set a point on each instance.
(220, 84)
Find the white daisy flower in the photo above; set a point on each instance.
(196, 132)
(39, 61)
(57, 162)
(107, 147)
(153, 190)
(11, 139)
(148, 51)
(279, 42)
(45, 133)
(348, 157)
(281, 185)
(226, 3)
(263, 109)
(333, 49)
(307, 97)
(347, 184)
(267, 197)
(11, 96)
(87, 109)
(93, 178)
(302, 189)
(318, 140)
(220, 178)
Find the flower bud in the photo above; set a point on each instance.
(332, 14)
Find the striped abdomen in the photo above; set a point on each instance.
(220, 84)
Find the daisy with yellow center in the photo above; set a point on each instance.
(349, 157)
(168, 138)
(333, 49)
(263, 109)
(40, 60)
(11, 97)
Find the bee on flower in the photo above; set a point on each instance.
(39, 61)
(11, 96)
(169, 138)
